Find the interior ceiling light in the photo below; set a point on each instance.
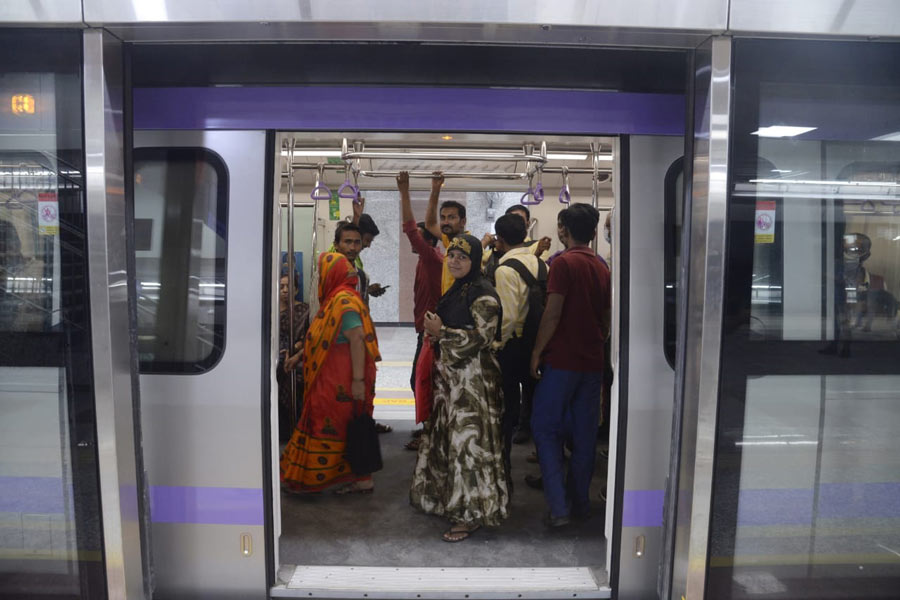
(447, 137)
(323, 153)
(566, 156)
(890, 137)
(782, 131)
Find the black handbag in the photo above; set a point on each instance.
(363, 447)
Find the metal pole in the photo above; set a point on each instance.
(595, 183)
(290, 272)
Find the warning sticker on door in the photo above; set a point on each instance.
(48, 214)
(765, 222)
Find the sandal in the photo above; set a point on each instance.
(354, 488)
(382, 428)
(458, 533)
(413, 444)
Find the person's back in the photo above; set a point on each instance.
(577, 344)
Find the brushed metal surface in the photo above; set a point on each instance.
(679, 14)
(705, 289)
(41, 12)
(112, 345)
(818, 17)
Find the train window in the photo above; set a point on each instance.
(180, 207)
(673, 196)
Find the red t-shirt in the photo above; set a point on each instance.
(577, 343)
(427, 285)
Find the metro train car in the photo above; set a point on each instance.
(164, 167)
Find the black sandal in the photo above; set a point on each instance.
(381, 428)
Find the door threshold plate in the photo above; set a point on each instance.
(423, 583)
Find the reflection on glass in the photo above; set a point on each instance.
(51, 543)
(807, 468)
(180, 245)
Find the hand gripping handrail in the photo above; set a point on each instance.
(320, 191)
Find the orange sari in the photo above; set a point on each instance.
(314, 457)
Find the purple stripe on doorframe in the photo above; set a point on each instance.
(643, 508)
(324, 108)
(206, 505)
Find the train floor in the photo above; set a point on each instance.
(383, 530)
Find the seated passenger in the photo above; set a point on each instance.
(339, 380)
(459, 470)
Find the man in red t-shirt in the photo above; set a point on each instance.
(568, 359)
(427, 284)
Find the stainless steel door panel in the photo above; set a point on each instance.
(650, 378)
(203, 432)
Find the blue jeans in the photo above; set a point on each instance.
(567, 406)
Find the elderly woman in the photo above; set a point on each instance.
(338, 381)
(459, 470)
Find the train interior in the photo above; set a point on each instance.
(325, 537)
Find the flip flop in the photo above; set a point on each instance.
(353, 488)
(450, 535)
(381, 428)
(412, 444)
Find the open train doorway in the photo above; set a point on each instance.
(362, 543)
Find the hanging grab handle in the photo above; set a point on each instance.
(320, 191)
(564, 196)
(354, 191)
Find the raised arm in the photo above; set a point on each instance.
(405, 202)
(431, 215)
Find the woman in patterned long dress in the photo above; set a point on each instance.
(459, 470)
(338, 378)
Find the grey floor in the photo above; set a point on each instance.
(382, 529)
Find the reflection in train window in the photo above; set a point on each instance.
(180, 209)
(30, 194)
(839, 236)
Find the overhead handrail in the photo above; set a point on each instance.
(564, 196)
(359, 152)
(320, 191)
(446, 175)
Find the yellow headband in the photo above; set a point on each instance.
(461, 244)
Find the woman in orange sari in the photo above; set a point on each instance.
(339, 376)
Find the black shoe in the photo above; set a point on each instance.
(556, 522)
(521, 436)
(534, 481)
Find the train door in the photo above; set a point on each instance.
(199, 238)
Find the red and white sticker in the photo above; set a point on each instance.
(48, 214)
(765, 222)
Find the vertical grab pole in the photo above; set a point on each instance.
(290, 273)
(595, 182)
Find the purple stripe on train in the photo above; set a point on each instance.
(324, 108)
(206, 505)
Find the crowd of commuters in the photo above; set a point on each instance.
(511, 347)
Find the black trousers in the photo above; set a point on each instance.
(518, 389)
(412, 375)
